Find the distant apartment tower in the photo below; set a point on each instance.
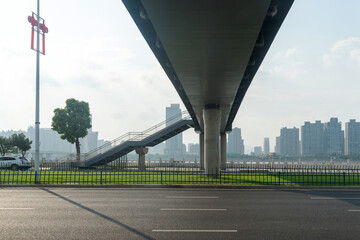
(352, 137)
(266, 146)
(235, 142)
(333, 137)
(277, 145)
(157, 149)
(312, 138)
(194, 148)
(174, 145)
(89, 142)
(257, 151)
(289, 141)
(50, 141)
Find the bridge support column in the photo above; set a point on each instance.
(223, 151)
(201, 143)
(141, 163)
(211, 118)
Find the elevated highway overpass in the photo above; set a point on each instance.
(211, 51)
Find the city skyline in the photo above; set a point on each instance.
(312, 73)
(248, 149)
(52, 146)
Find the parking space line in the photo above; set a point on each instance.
(193, 209)
(333, 198)
(191, 197)
(197, 231)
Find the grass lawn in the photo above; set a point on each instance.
(178, 177)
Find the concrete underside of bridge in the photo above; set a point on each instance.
(210, 50)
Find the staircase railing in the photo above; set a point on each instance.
(133, 136)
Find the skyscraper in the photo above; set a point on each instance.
(157, 149)
(352, 137)
(277, 146)
(174, 145)
(89, 142)
(312, 138)
(257, 151)
(266, 146)
(235, 142)
(50, 141)
(289, 141)
(334, 137)
(194, 148)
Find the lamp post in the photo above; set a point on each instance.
(38, 27)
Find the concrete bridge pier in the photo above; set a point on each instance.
(141, 163)
(201, 143)
(223, 151)
(212, 117)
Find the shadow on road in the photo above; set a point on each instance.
(99, 214)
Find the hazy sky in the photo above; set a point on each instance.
(95, 53)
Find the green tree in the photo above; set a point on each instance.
(6, 146)
(72, 122)
(21, 142)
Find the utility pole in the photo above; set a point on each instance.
(38, 27)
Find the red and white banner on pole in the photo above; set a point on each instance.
(43, 30)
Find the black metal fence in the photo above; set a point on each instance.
(188, 173)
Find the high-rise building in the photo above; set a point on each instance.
(174, 146)
(194, 148)
(50, 141)
(312, 138)
(277, 146)
(157, 149)
(103, 143)
(334, 137)
(352, 137)
(289, 141)
(257, 151)
(235, 142)
(266, 146)
(89, 142)
(52, 146)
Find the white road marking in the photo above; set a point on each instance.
(198, 231)
(333, 198)
(34, 197)
(191, 197)
(193, 209)
(16, 208)
(354, 210)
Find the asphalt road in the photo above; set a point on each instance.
(78, 213)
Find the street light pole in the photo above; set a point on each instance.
(37, 26)
(37, 106)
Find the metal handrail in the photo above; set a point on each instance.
(133, 136)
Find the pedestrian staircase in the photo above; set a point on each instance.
(132, 140)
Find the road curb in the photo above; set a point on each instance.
(149, 186)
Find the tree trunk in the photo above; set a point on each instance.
(77, 144)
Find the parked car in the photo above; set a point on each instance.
(14, 163)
